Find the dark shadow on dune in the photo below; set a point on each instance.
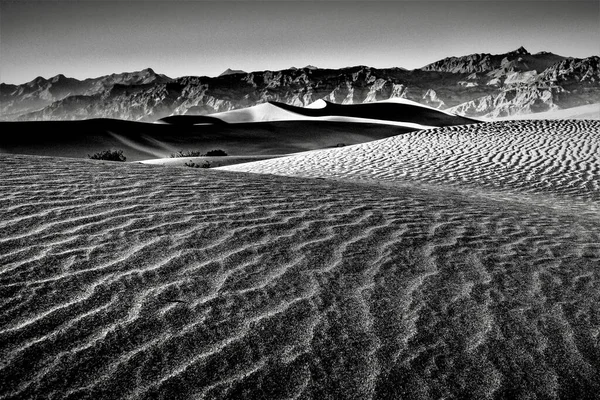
(191, 120)
(141, 141)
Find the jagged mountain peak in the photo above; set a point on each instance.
(230, 71)
(520, 51)
(60, 78)
(37, 81)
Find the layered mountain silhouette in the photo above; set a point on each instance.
(477, 85)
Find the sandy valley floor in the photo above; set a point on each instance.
(461, 262)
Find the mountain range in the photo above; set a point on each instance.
(477, 85)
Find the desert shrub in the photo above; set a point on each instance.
(196, 153)
(192, 164)
(109, 155)
(188, 153)
(215, 153)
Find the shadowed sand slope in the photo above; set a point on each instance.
(555, 158)
(140, 141)
(138, 281)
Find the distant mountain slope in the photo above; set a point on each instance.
(476, 85)
(24, 99)
(569, 83)
(496, 65)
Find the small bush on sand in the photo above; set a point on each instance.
(196, 153)
(109, 155)
(192, 164)
(215, 153)
(188, 153)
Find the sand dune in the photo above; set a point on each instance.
(142, 141)
(393, 110)
(397, 112)
(552, 158)
(264, 130)
(138, 281)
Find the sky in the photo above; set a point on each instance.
(84, 39)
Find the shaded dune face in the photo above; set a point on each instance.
(140, 141)
(136, 281)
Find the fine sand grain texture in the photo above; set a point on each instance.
(142, 281)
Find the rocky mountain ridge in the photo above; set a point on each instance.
(479, 85)
(566, 84)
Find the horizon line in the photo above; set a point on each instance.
(284, 69)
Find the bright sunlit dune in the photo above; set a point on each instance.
(394, 111)
(269, 112)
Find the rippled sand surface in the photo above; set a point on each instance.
(554, 158)
(139, 281)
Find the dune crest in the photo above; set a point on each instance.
(395, 111)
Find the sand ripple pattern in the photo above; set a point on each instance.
(549, 157)
(133, 281)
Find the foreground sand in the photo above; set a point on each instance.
(140, 281)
